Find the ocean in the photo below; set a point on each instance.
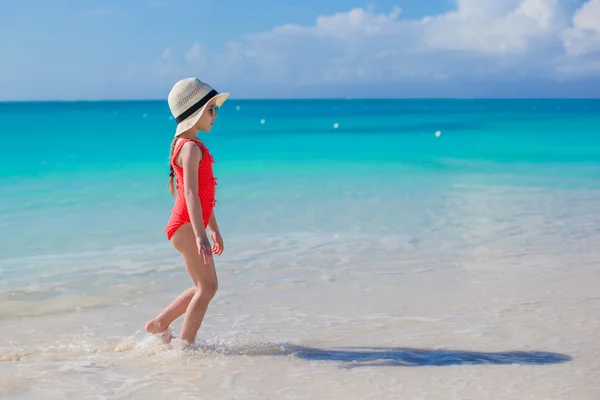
(414, 249)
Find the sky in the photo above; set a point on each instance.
(137, 49)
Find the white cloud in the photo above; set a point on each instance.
(491, 27)
(486, 8)
(349, 25)
(479, 38)
(584, 37)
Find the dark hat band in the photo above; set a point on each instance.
(197, 106)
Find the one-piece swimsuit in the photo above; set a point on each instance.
(206, 189)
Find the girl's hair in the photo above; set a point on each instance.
(172, 173)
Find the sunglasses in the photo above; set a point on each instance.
(214, 111)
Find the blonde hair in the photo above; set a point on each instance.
(171, 184)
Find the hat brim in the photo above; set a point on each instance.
(189, 123)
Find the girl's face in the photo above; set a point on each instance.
(208, 117)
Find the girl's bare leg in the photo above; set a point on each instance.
(175, 310)
(205, 281)
(194, 301)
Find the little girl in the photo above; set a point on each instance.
(194, 105)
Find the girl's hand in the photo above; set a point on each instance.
(204, 248)
(217, 240)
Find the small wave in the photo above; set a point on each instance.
(143, 344)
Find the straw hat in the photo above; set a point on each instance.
(188, 99)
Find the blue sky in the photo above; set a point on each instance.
(300, 48)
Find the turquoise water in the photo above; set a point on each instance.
(90, 175)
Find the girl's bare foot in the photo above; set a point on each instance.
(158, 328)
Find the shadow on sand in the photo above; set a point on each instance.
(353, 357)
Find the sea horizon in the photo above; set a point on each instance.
(308, 98)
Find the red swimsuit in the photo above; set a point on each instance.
(206, 189)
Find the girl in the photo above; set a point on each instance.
(194, 105)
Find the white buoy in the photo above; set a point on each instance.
(438, 134)
(336, 125)
(237, 108)
(262, 121)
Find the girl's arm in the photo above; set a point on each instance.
(212, 223)
(191, 155)
(215, 235)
